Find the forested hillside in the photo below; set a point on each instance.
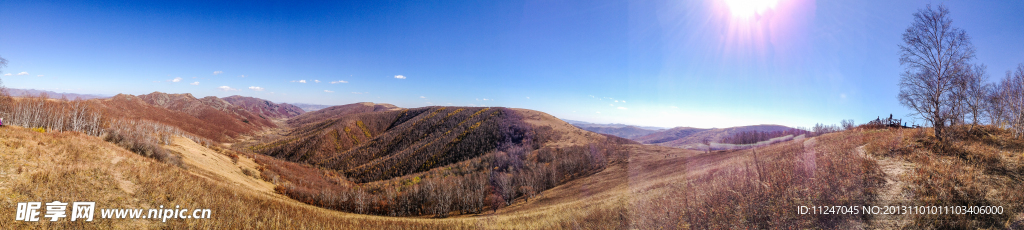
(337, 111)
(416, 161)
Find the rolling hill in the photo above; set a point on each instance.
(337, 111)
(310, 107)
(209, 117)
(619, 130)
(52, 94)
(208, 108)
(503, 152)
(517, 169)
(265, 108)
(688, 137)
(627, 132)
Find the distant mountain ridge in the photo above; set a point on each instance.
(52, 94)
(689, 137)
(264, 107)
(338, 111)
(310, 107)
(613, 125)
(619, 130)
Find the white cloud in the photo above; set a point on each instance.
(616, 101)
(527, 97)
(328, 91)
(22, 73)
(622, 107)
(241, 76)
(842, 95)
(257, 88)
(226, 88)
(217, 72)
(399, 76)
(598, 111)
(194, 83)
(472, 105)
(336, 82)
(300, 81)
(422, 97)
(611, 104)
(177, 79)
(7, 74)
(449, 103)
(317, 81)
(42, 75)
(674, 107)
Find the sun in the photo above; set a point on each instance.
(749, 8)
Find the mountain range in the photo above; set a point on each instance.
(679, 137)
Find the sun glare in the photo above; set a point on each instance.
(748, 8)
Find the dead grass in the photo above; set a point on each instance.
(761, 188)
(657, 187)
(76, 167)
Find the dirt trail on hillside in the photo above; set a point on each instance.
(896, 171)
(810, 156)
(210, 164)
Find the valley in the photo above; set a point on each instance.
(371, 165)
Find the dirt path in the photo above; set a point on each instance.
(896, 171)
(810, 156)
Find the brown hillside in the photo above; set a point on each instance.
(338, 111)
(624, 132)
(211, 109)
(185, 112)
(668, 135)
(133, 108)
(687, 137)
(498, 154)
(265, 108)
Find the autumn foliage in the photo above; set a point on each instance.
(435, 161)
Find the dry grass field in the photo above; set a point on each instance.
(657, 187)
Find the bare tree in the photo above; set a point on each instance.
(847, 124)
(1011, 96)
(4, 99)
(976, 92)
(995, 104)
(934, 54)
(707, 144)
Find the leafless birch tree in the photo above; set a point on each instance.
(934, 54)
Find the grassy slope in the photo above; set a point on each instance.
(656, 187)
(75, 167)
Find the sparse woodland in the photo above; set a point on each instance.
(44, 114)
(433, 161)
(945, 88)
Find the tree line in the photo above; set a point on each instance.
(943, 85)
(45, 114)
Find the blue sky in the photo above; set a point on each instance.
(713, 63)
